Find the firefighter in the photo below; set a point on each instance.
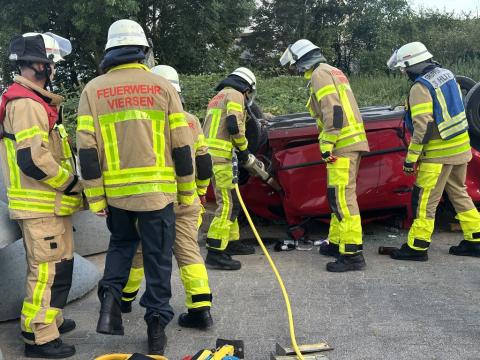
(135, 155)
(42, 188)
(224, 129)
(438, 153)
(342, 141)
(198, 297)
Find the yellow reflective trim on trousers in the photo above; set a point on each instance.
(135, 175)
(30, 206)
(347, 107)
(338, 172)
(140, 189)
(421, 229)
(94, 192)
(29, 311)
(216, 116)
(234, 106)
(189, 186)
(447, 152)
(85, 123)
(427, 178)
(134, 281)
(177, 120)
(195, 282)
(32, 194)
(41, 284)
(420, 109)
(31, 132)
(324, 91)
(50, 315)
(12, 164)
(97, 205)
(470, 223)
(226, 204)
(58, 180)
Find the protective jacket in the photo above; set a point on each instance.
(36, 158)
(334, 106)
(135, 145)
(426, 143)
(203, 160)
(224, 125)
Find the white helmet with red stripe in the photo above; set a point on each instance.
(409, 54)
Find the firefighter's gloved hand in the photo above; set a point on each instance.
(408, 168)
(328, 157)
(243, 156)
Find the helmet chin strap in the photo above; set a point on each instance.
(42, 74)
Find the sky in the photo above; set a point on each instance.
(449, 5)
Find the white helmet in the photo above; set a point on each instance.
(296, 50)
(408, 55)
(247, 75)
(126, 32)
(168, 73)
(56, 47)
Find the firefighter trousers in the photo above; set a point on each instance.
(432, 179)
(193, 272)
(224, 226)
(345, 225)
(156, 234)
(49, 249)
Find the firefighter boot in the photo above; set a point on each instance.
(221, 261)
(347, 263)
(157, 340)
(329, 249)
(110, 320)
(466, 248)
(407, 253)
(196, 319)
(54, 349)
(238, 247)
(67, 326)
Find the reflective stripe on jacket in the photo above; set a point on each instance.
(426, 143)
(446, 105)
(134, 142)
(334, 106)
(224, 125)
(36, 159)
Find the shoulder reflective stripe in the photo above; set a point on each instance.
(220, 153)
(85, 123)
(411, 157)
(216, 116)
(129, 66)
(328, 137)
(423, 108)
(94, 192)
(133, 175)
(415, 147)
(30, 206)
(347, 107)
(140, 189)
(29, 133)
(324, 91)
(58, 180)
(447, 152)
(177, 120)
(97, 205)
(12, 164)
(234, 106)
(189, 186)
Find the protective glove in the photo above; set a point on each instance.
(243, 156)
(328, 157)
(408, 168)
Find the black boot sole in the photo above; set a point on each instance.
(452, 252)
(410, 258)
(109, 330)
(352, 267)
(65, 330)
(30, 354)
(234, 253)
(221, 267)
(199, 326)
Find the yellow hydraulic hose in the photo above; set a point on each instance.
(277, 275)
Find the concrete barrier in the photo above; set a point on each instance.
(91, 235)
(3, 191)
(12, 283)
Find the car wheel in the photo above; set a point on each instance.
(466, 84)
(472, 109)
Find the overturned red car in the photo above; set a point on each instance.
(288, 147)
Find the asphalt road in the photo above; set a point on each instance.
(392, 310)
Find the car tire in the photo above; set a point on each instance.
(466, 84)
(472, 109)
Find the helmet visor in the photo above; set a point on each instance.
(64, 45)
(286, 57)
(392, 63)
